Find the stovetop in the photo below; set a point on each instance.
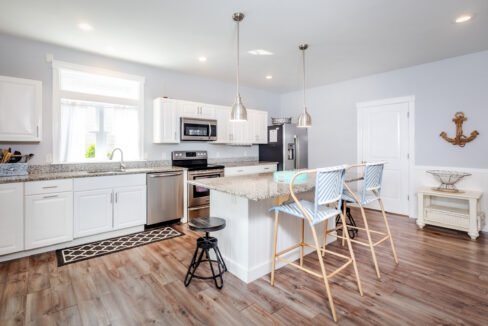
(196, 167)
(193, 160)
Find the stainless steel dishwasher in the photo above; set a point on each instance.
(164, 197)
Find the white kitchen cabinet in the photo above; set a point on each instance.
(20, 109)
(196, 110)
(48, 219)
(258, 126)
(166, 121)
(92, 212)
(168, 112)
(251, 169)
(239, 133)
(222, 115)
(129, 207)
(109, 203)
(12, 218)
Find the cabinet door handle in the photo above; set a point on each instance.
(116, 197)
(37, 130)
(51, 196)
(111, 198)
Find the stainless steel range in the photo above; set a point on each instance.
(198, 168)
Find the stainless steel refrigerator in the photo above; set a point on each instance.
(287, 145)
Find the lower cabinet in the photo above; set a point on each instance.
(129, 207)
(93, 212)
(252, 169)
(11, 218)
(48, 219)
(104, 204)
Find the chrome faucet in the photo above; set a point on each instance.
(111, 156)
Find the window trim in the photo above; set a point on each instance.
(57, 94)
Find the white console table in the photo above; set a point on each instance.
(459, 211)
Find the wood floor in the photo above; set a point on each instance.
(442, 279)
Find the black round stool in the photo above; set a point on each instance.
(204, 244)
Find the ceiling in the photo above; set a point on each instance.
(347, 38)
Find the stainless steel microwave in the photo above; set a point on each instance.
(198, 129)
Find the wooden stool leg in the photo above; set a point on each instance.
(302, 239)
(388, 231)
(371, 247)
(344, 226)
(275, 242)
(324, 274)
(326, 228)
(351, 253)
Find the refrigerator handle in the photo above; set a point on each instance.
(297, 151)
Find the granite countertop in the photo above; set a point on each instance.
(247, 163)
(254, 187)
(84, 174)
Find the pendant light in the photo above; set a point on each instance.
(239, 112)
(304, 120)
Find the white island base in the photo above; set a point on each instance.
(246, 242)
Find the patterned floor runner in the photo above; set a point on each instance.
(105, 247)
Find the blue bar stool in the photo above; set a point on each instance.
(328, 191)
(368, 192)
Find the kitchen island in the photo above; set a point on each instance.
(247, 241)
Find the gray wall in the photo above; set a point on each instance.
(440, 88)
(25, 58)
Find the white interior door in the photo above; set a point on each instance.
(383, 135)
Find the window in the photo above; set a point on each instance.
(95, 112)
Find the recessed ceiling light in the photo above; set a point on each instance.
(269, 77)
(260, 52)
(85, 27)
(202, 59)
(463, 19)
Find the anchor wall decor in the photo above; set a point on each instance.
(460, 139)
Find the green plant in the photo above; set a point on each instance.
(90, 151)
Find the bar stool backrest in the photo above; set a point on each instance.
(373, 176)
(329, 185)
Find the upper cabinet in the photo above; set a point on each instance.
(258, 126)
(20, 109)
(196, 110)
(166, 121)
(167, 114)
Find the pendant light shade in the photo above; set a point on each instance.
(304, 120)
(239, 112)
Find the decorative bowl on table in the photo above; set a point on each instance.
(448, 179)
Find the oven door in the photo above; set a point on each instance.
(198, 129)
(199, 196)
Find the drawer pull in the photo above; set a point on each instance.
(52, 196)
(49, 187)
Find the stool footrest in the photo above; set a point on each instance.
(298, 245)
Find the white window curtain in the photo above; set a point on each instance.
(95, 111)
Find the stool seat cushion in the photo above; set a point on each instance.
(206, 224)
(323, 212)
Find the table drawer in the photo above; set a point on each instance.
(48, 186)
